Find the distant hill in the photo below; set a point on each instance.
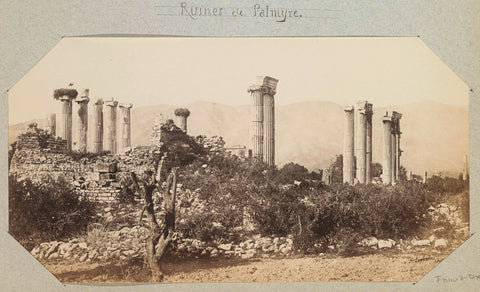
(434, 135)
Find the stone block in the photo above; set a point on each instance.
(93, 176)
(105, 167)
(107, 176)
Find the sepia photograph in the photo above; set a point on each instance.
(179, 159)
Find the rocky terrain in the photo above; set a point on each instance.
(117, 255)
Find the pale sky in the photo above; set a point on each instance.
(151, 71)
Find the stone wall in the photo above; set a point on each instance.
(164, 132)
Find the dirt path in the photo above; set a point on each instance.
(376, 267)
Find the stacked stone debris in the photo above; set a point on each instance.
(164, 132)
(214, 144)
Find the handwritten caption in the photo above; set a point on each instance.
(260, 11)
(449, 279)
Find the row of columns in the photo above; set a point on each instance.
(357, 149)
(362, 149)
(109, 118)
(262, 119)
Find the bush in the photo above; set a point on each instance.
(50, 210)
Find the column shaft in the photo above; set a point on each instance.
(256, 124)
(125, 125)
(398, 152)
(269, 129)
(361, 147)
(82, 125)
(51, 124)
(387, 152)
(393, 140)
(348, 147)
(368, 154)
(111, 126)
(98, 127)
(66, 122)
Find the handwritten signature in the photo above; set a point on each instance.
(450, 279)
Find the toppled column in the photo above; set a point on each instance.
(50, 124)
(66, 95)
(111, 126)
(98, 126)
(125, 125)
(348, 146)
(270, 85)
(82, 120)
(182, 114)
(361, 141)
(387, 150)
(368, 154)
(256, 122)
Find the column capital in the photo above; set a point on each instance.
(386, 119)
(348, 108)
(111, 102)
(182, 112)
(396, 115)
(65, 94)
(266, 84)
(362, 106)
(83, 98)
(99, 101)
(125, 105)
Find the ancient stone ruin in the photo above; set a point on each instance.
(262, 119)
(100, 119)
(391, 147)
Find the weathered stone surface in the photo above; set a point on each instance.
(225, 246)
(440, 243)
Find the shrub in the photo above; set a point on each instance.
(50, 210)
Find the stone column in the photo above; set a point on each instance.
(425, 177)
(66, 95)
(125, 125)
(256, 122)
(50, 124)
(398, 149)
(368, 154)
(111, 125)
(395, 146)
(82, 120)
(98, 126)
(387, 150)
(348, 146)
(182, 114)
(270, 85)
(361, 141)
(393, 139)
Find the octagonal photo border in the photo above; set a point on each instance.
(468, 70)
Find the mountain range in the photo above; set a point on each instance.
(434, 135)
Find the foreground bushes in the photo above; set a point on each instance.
(230, 188)
(46, 211)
